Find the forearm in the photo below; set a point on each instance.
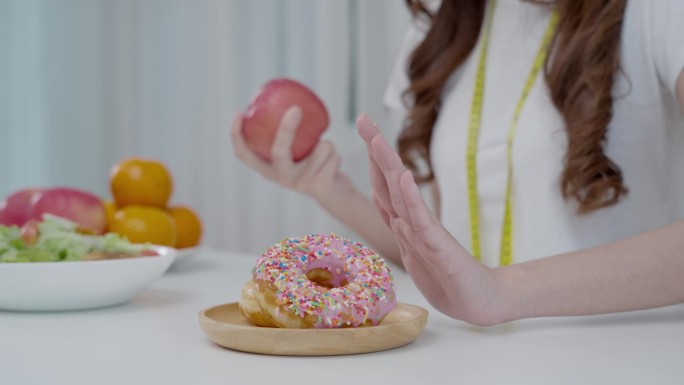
(357, 212)
(641, 272)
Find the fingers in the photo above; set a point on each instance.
(391, 167)
(323, 162)
(419, 216)
(281, 151)
(407, 257)
(420, 266)
(367, 130)
(329, 169)
(381, 208)
(241, 149)
(438, 245)
(428, 229)
(311, 175)
(236, 124)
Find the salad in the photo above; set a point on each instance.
(56, 239)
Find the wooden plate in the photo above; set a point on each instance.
(225, 325)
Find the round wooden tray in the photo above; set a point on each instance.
(225, 326)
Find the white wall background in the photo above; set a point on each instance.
(84, 83)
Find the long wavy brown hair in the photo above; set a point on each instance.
(579, 72)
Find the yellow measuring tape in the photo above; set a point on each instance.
(506, 256)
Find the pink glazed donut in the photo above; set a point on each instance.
(319, 281)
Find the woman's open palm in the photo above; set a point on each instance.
(447, 275)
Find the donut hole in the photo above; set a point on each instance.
(327, 278)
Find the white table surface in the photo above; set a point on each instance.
(156, 339)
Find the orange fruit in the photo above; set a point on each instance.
(136, 181)
(142, 224)
(188, 226)
(110, 209)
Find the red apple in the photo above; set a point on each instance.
(6, 219)
(75, 205)
(261, 120)
(15, 208)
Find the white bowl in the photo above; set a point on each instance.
(53, 286)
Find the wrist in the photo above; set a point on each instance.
(336, 194)
(511, 303)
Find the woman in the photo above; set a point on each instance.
(544, 130)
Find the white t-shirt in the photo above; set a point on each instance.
(645, 137)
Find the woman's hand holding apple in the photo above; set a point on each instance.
(264, 115)
(317, 175)
(278, 136)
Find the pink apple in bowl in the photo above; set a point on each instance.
(79, 206)
(14, 209)
(261, 120)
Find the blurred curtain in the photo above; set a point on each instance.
(84, 83)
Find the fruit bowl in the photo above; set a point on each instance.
(59, 286)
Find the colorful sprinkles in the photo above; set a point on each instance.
(362, 283)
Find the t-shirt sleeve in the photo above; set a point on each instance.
(393, 99)
(398, 80)
(667, 21)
